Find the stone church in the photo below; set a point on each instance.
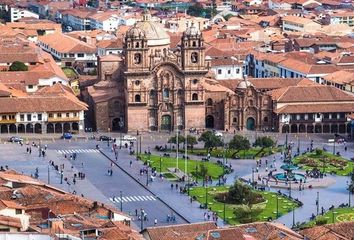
(151, 87)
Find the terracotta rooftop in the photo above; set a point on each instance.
(337, 231)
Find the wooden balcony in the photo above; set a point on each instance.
(8, 121)
(63, 119)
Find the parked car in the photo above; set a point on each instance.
(218, 134)
(67, 135)
(104, 138)
(129, 138)
(15, 139)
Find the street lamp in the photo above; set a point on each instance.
(206, 197)
(277, 205)
(121, 201)
(293, 215)
(224, 209)
(121, 124)
(318, 202)
(253, 177)
(137, 143)
(147, 175)
(349, 194)
(141, 219)
(160, 165)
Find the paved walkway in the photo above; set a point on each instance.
(160, 188)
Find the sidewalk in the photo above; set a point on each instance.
(180, 203)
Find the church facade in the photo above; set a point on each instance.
(150, 87)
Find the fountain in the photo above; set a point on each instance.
(289, 175)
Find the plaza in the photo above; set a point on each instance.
(131, 188)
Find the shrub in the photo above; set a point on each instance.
(18, 66)
(321, 220)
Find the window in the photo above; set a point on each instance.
(137, 82)
(39, 116)
(137, 98)
(80, 55)
(234, 120)
(29, 117)
(75, 114)
(4, 117)
(67, 115)
(229, 71)
(195, 97)
(137, 45)
(18, 211)
(219, 71)
(250, 103)
(30, 86)
(210, 102)
(237, 70)
(22, 117)
(265, 119)
(59, 115)
(194, 57)
(166, 93)
(195, 81)
(50, 115)
(137, 58)
(71, 55)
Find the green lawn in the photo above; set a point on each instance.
(69, 72)
(230, 154)
(340, 215)
(338, 165)
(285, 205)
(214, 170)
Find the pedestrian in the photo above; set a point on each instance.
(74, 180)
(131, 163)
(155, 222)
(136, 212)
(27, 150)
(30, 150)
(171, 186)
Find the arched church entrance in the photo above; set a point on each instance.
(250, 123)
(166, 123)
(209, 121)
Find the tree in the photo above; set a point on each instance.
(18, 66)
(191, 141)
(247, 214)
(228, 16)
(264, 142)
(210, 140)
(173, 139)
(203, 172)
(239, 142)
(240, 193)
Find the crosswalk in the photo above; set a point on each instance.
(132, 199)
(70, 151)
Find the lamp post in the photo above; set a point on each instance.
(206, 197)
(188, 183)
(140, 138)
(289, 188)
(349, 194)
(160, 165)
(277, 205)
(298, 145)
(121, 201)
(185, 153)
(141, 219)
(293, 215)
(61, 176)
(137, 143)
(121, 125)
(334, 145)
(147, 175)
(224, 209)
(253, 177)
(177, 143)
(318, 202)
(48, 173)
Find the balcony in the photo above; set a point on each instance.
(7, 121)
(63, 119)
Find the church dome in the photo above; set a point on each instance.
(135, 32)
(154, 34)
(244, 84)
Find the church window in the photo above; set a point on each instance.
(152, 93)
(137, 98)
(250, 103)
(166, 93)
(234, 119)
(137, 45)
(194, 57)
(179, 92)
(265, 119)
(210, 102)
(195, 81)
(195, 97)
(194, 44)
(137, 82)
(137, 58)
